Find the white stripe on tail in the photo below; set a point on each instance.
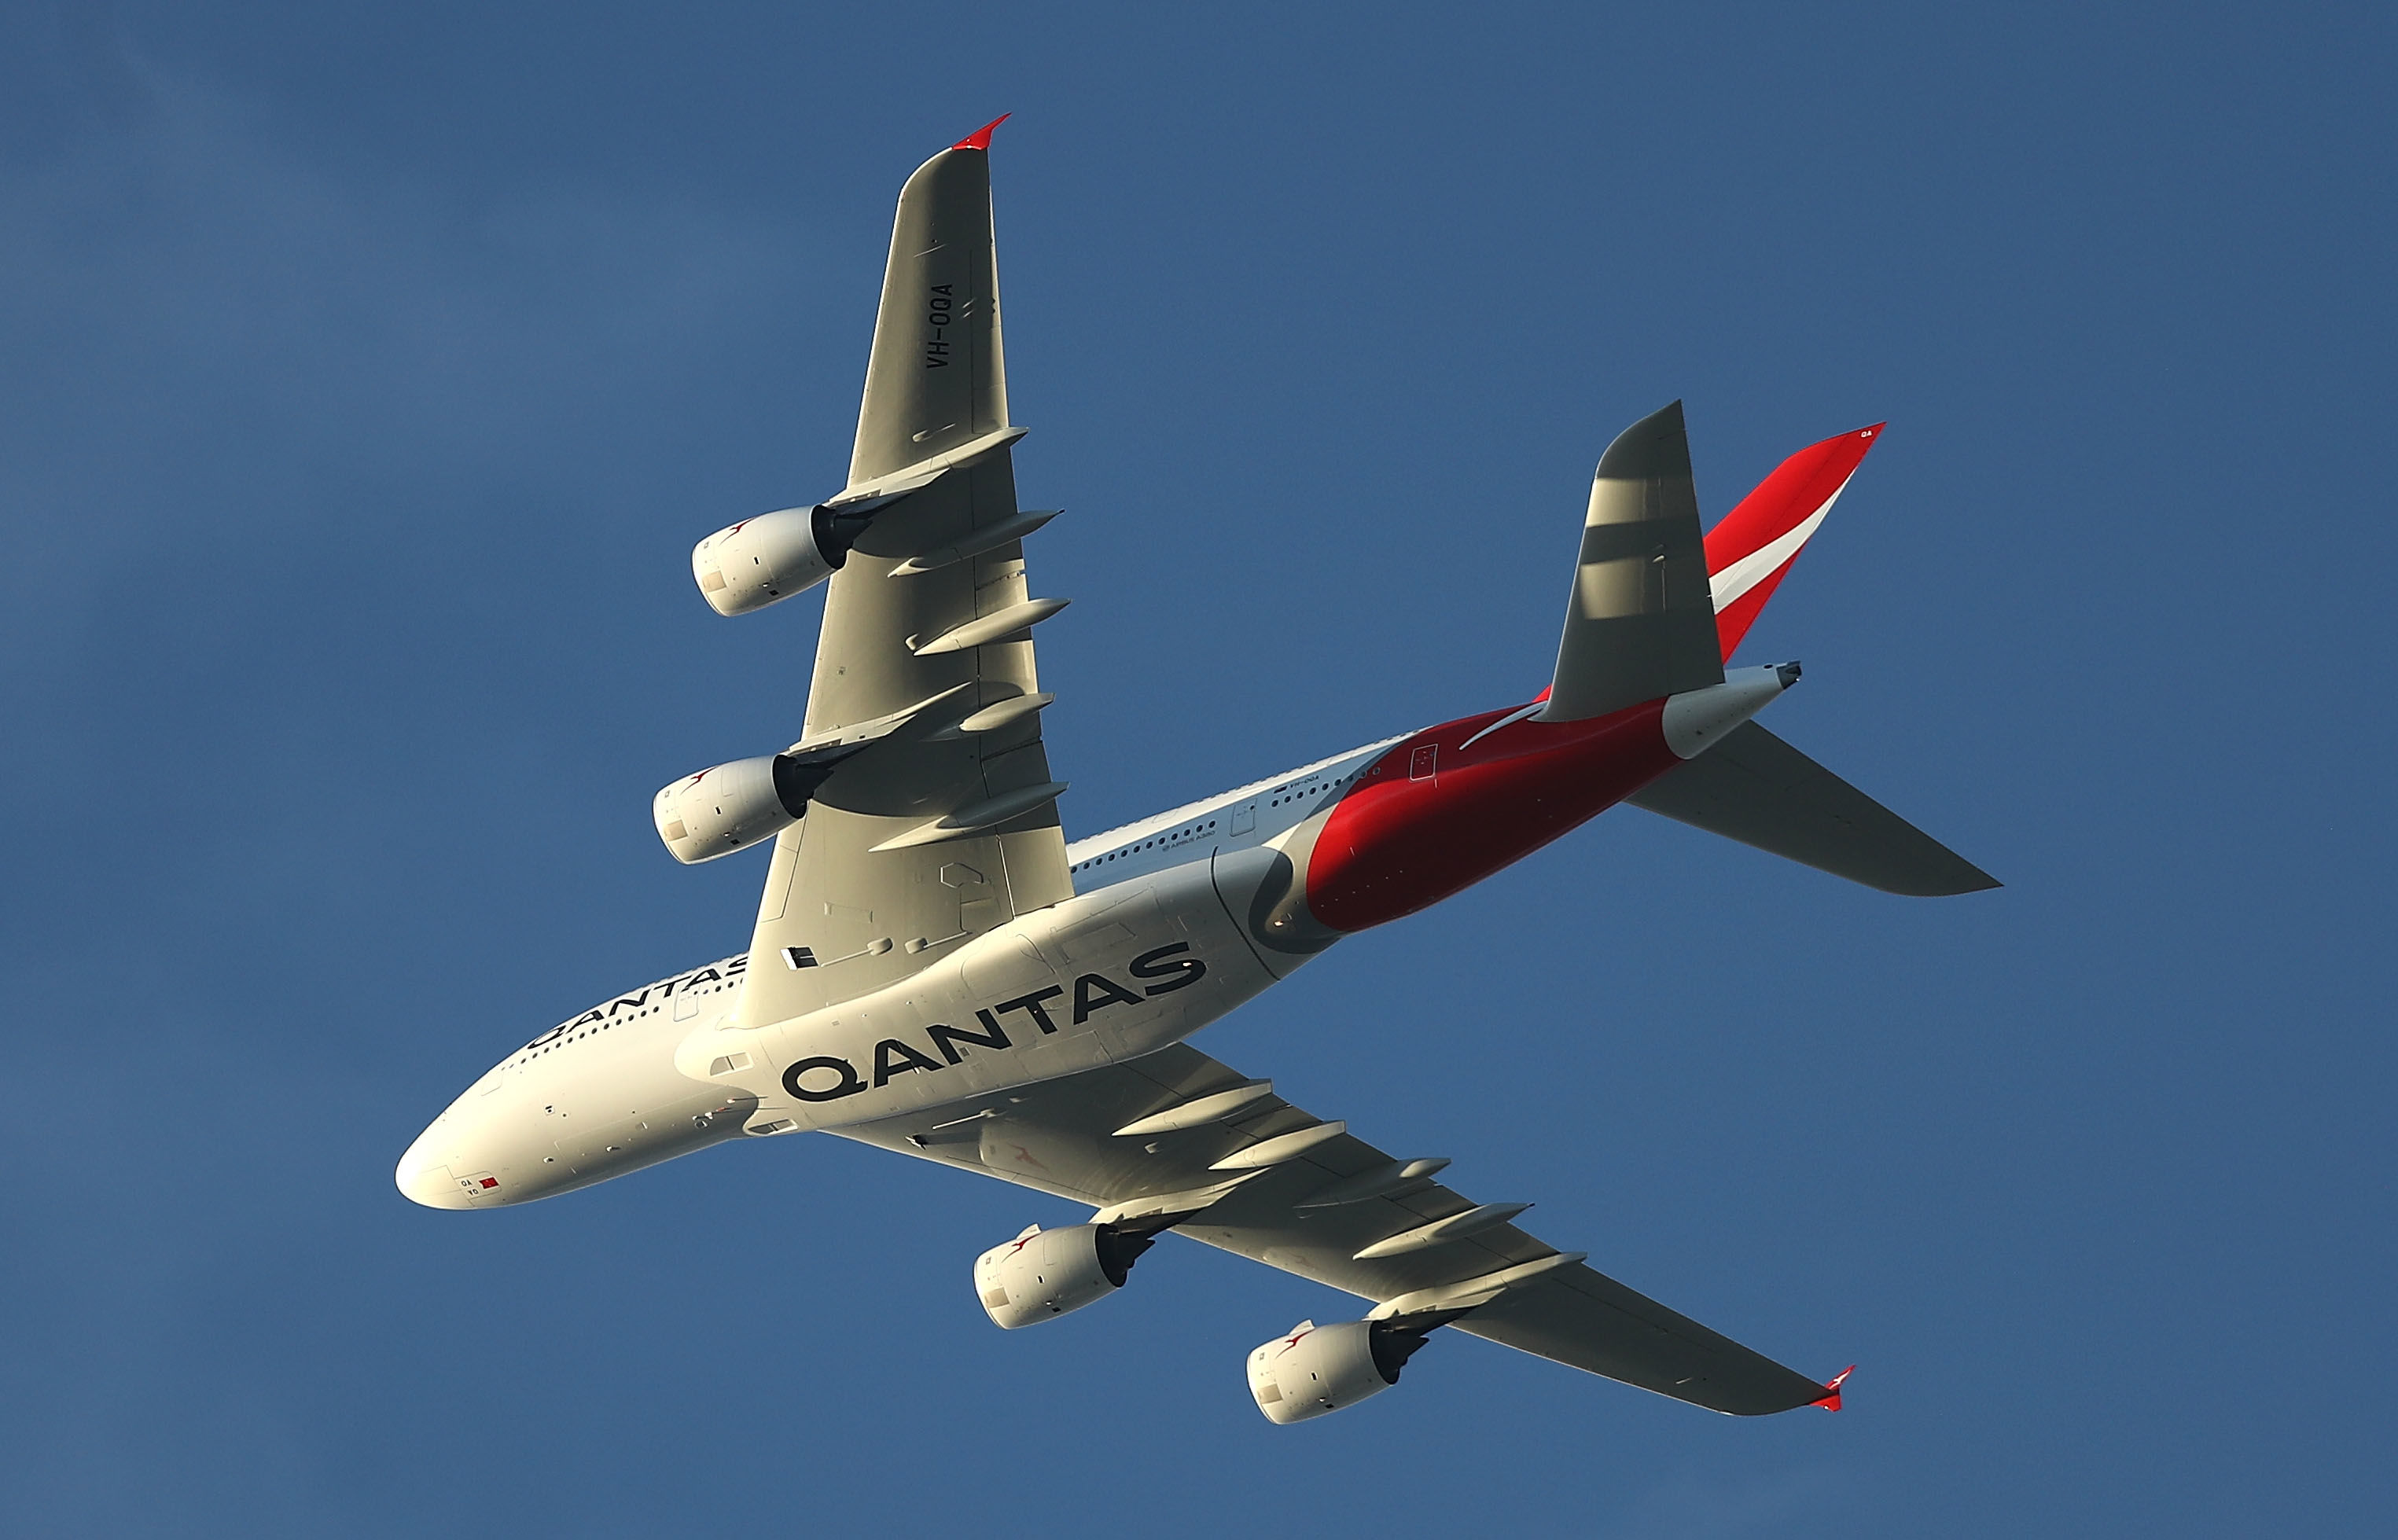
(1751, 551)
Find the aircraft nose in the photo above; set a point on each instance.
(431, 1185)
(423, 1175)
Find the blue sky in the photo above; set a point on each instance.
(365, 373)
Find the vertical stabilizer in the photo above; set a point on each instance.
(1750, 552)
(1640, 624)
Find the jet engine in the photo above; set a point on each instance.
(762, 560)
(1312, 1369)
(1045, 1273)
(729, 807)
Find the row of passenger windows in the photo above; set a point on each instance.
(1312, 789)
(529, 1055)
(1183, 833)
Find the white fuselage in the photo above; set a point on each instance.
(1151, 948)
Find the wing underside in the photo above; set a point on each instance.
(1059, 1137)
(949, 827)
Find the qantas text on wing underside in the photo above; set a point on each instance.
(936, 971)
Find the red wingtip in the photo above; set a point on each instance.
(1874, 432)
(1831, 1402)
(980, 138)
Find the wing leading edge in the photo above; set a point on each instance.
(1063, 1137)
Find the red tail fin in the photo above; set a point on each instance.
(1748, 553)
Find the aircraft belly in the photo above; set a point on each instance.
(1104, 976)
(599, 1146)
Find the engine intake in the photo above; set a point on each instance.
(760, 561)
(1043, 1274)
(1312, 1370)
(729, 807)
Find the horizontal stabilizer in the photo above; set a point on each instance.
(1755, 788)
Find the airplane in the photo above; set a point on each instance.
(936, 971)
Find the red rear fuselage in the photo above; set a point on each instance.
(1448, 807)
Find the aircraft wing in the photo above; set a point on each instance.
(947, 826)
(1068, 1137)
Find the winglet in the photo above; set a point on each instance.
(980, 138)
(1830, 1401)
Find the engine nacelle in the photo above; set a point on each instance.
(1042, 1274)
(761, 560)
(729, 807)
(1312, 1369)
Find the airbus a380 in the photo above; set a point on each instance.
(935, 969)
